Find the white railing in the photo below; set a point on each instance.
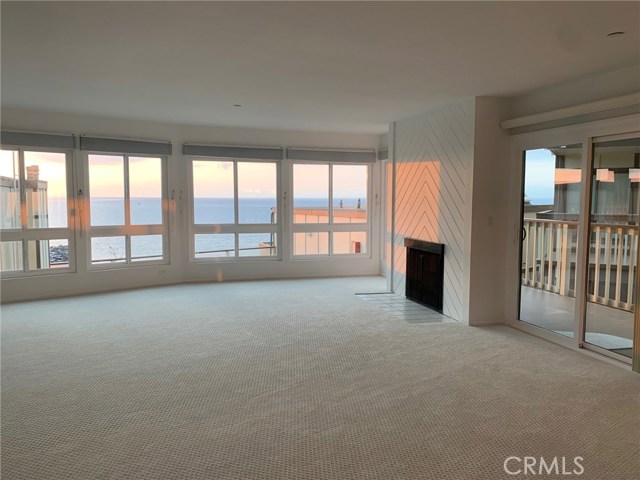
(613, 254)
(549, 260)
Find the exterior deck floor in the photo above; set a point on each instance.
(606, 327)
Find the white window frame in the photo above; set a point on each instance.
(127, 230)
(235, 228)
(26, 234)
(331, 227)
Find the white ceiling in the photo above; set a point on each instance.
(324, 66)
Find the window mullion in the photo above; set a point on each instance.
(127, 210)
(236, 239)
(236, 208)
(23, 190)
(72, 209)
(166, 201)
(330, 240)
(23, 209)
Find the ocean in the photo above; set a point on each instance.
(148, 211)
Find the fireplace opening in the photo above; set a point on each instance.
(425, 273)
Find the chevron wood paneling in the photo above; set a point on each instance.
(433, 158)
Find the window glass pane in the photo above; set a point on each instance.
(213, 192)
(257, 244)
(107, 250)
(215, 245)
(311, 243)
(146, 248)
(10, 193)
(145, 190)
(350, 193)
(550, 242)
(311, 193)
(349, 243)
(106, 185)
(46, 189)
(257, 188)
(10, 256)
(613, 251)
(45, 254)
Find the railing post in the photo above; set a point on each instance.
(633, 253)
(616, 301)
(527, 240)
(608, 247)
(549, 256)
(534, 256)
(565, 265)
(596, 264)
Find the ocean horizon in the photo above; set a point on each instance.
(109, 211)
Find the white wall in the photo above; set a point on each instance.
(384, 187)
(487, 243)
(452, 169)
(180, 268)
(433, 155)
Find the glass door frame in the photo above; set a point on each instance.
(523, 236)
(584, 233)
(585, 134)
(635, 356)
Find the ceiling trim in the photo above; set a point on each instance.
(624, 101)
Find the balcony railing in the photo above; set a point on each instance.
(549, 260)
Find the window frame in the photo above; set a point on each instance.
(235, 228)
(127, 230)
(331, 227)
(25, 234)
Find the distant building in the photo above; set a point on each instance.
(615, 196)
(317, 243)
(36, 205)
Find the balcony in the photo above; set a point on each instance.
(548, 279)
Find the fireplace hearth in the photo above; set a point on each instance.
(425, 273)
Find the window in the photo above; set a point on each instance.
(37, 210)
(330, 209)
(235, 212)
(127, 219)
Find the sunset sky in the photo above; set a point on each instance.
(51, 167)
(211, 178)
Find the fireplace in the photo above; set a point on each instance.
(425, 272)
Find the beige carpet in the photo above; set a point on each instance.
(294, 380)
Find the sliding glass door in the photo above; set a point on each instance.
(613, 245)
(589, 295)
(550, 218)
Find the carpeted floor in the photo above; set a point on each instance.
(294, 380)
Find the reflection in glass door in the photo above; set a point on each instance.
(613, 245)
(550, 217)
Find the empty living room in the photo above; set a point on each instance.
(319, 240)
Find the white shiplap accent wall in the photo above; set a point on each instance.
(433, 160)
